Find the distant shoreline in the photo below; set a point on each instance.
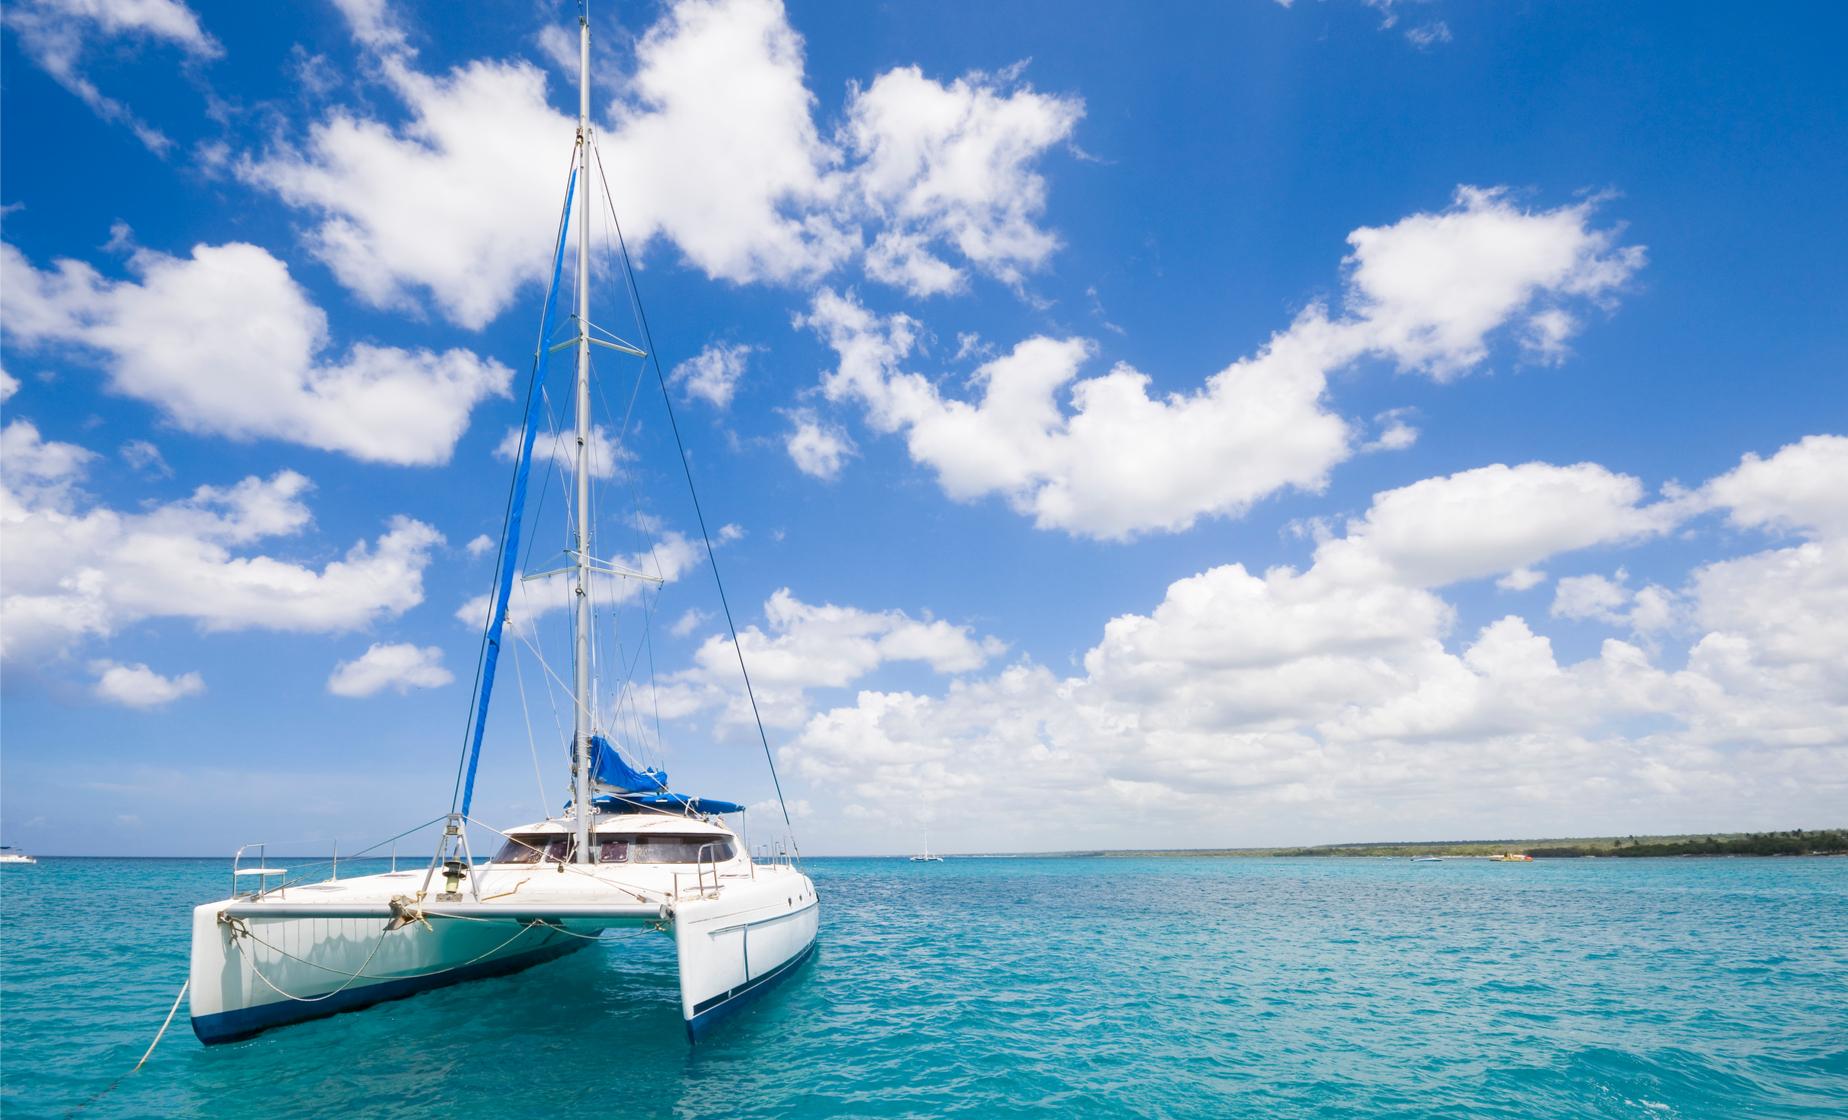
(1795, 842)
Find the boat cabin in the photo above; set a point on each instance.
(630, 839)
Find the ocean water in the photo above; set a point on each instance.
(1023, 987)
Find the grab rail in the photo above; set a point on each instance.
(263, 872)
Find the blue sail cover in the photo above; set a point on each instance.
(608, 768)
(625, 786)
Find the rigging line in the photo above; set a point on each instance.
(532, 743)
(312, 870)
(686, 464)
(548, 668)
(481, 656)
(653, 692)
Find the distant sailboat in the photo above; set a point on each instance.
(925, 856)
(625, 854)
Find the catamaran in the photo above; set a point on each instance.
(925, 856)
(626, 853)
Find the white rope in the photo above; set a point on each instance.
(158, 1035)
(351, 977)
(286, 953)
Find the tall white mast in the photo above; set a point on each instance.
(582, 727)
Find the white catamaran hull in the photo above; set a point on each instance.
(258, 964)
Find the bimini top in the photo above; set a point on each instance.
(620, 786)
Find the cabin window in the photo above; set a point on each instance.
(554, 847)
(535, 848)
(653, 848)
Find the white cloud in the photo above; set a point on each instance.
(1591, 596)
(954, 166)
(480, 544)
(1426, 292)
(713, 374)
(561, 448)
(1802, 488)
(716, 150)
(668, 558)
(400, 666)
(145, 457)
(75, 569)
(688, 622)
(40, 471)
(8, 385)
(1497, 519)
(56, 34)
(226, 342)
(1609, 600)
(806, 646)
(1427, 35)
(1521, 579)
(1253, 708)
(718, 153)
(137, 686)
(1396, 434)
(1431, 288)
(817, 448)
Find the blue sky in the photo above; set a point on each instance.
(1226, 424)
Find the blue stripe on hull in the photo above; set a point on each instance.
(230, 1026)
(708, 1013)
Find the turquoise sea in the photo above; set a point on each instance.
(1023, 987)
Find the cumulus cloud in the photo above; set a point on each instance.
(1497, 519)
(714, 149)
(1803, 488)
(399, 666)
(666, 559)
(713, 374)
(137, 686)
(807, 646)
(1269, 705)
(1396, 431)
(954, 165)
(1427, 293)
(1432, 288)
(226, 342)
(76, 569)
(481, 544)
(56, 34)
(818, 449)
(561, 448)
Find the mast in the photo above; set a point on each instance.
(581, 691)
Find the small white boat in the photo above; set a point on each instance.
(925, 856)
(1427, 859)
(627, 854)
(8, 855)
